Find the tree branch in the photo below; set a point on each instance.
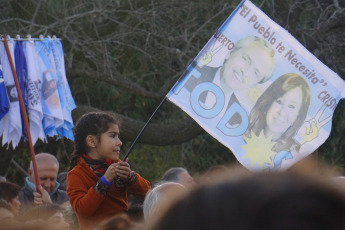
(154, 134)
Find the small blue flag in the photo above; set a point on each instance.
(4, 105)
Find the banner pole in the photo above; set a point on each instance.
(23, 113)
(142, 130)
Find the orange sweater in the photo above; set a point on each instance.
(91, 207)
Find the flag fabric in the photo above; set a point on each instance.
(259, 92)
(66, 99)
(51, 106)
(11, 122)
(4, 104)
(34, 93)
(47, 98)
(21, 71)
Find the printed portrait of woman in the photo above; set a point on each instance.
(280, 111)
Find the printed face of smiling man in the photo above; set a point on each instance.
(247, 66)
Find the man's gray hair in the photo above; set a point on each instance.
(154, 197)
(45, 156)
(173, 174)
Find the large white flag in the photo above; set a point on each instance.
(66, 99)
(51, 106)
(257, 90)
(11, 122)
(34, 93)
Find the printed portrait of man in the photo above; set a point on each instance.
(249, 63)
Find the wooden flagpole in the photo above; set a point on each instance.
(23, 113)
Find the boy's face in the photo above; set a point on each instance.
(246, 67)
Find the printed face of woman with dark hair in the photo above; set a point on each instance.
(283, 113)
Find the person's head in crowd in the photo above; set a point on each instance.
(49, 189)
(135, 208)
(160, 197)
(9, 193)
(118, 222)
(251, 62)
(7, 218)
(135, 211)
(263, 201)
(50, 214)
(342, 173)
(213, 173)
(280, 111)
(70, 217)
(340, 180)
(47, 170)
(179, 175)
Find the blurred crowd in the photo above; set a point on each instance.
(102, 192)
(305, 197)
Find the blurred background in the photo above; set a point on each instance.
(124, 56)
